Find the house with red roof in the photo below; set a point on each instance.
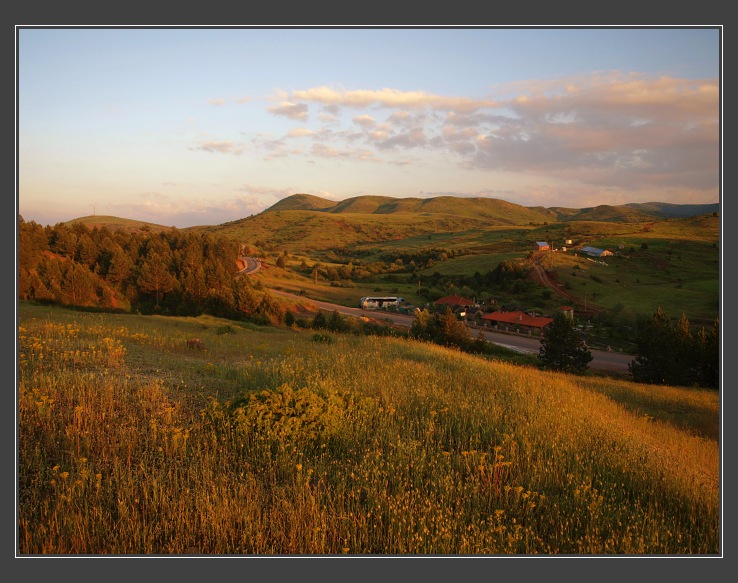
(516, 322)
(454, 302)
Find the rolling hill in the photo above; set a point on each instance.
(117, 224)
(493, 211)
(304, 221)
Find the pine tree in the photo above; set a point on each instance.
(655, 352)
(154, 277)
(562, 349)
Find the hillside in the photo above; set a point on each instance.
(302, 202)
(264, 441)
(634, 212)
(668, 210)
(493, 211)
(118, 224)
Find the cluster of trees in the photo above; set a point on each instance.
(671, 353)
(419, 259)
(668, 353)
(446, 329)
(170, 272)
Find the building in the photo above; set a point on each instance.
(542, 246)
(568, 311)
(595, 252)
(454, 302)
(516, 321)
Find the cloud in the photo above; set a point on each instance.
(412, 138)
(297, 111)
(217, 101)
(300, 133)
(392, 98)
(244, 99)
(364, 120)
(607, 130)
(224, 147)
(361, 154)
(615, 130)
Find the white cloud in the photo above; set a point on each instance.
(297, 111)
(364, 120)
(389, 98)
(300, 133)
(223, 147)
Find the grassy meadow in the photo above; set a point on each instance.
(278, 441)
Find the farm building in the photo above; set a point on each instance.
(454, 302)
(595, 252)
(542, 246)
(517, 321)
(568, 311)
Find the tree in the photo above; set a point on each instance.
(452, 331)
(562, 349)
(154, 277)
(655, 351)
(670, 354)
(336, 322)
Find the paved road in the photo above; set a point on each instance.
(606, 361)
(251, 265)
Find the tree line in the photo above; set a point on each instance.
(169, 272)
(673, 353)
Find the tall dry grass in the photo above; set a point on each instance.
(269, 443)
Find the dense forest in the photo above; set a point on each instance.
(171, 272)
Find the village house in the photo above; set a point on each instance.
(454, 302)
(542, 246)
(516, 322)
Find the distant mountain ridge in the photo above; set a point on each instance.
(442, 212)
(492, 208)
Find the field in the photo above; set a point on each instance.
(274, 441)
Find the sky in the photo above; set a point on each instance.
(201, 126)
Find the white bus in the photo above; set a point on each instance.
(379, 302)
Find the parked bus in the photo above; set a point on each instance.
(380, 302)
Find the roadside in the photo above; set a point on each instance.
(604, 361)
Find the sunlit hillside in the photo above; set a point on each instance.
(263, 440)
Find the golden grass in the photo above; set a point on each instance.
(269, 443)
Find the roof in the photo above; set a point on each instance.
(520, 318)
(454, 301)
(566, 308)
(592, 250)
(541, 243)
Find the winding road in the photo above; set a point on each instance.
(539, 274)
(251, 265)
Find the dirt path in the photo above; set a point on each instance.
(539, 274)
